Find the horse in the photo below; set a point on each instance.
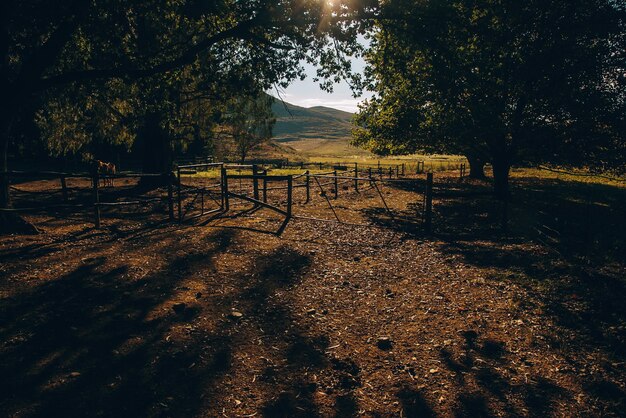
(104, 169)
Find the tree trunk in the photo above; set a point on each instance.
(477, 167)
(501, 168)
(156, 152)
(5, 197)
(10, 222)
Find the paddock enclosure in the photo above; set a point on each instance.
(407, 197)
(204, 191)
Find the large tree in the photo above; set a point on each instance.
(51, 50)
(501, 81)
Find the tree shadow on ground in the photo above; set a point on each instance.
(579, 292)
(577, 279)
(95, 343)
(482, 361)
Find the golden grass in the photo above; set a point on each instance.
(577, 176)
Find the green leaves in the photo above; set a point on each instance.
(181, 59)
(532, 81)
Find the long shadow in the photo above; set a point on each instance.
(482, 361)
(95, 343)
(305, 351)
(578, 290)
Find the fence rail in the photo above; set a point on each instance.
(189, 201)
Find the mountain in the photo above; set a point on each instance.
(315, 130)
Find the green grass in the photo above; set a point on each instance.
(576, 176)
(271, 172)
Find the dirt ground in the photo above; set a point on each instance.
(223, 317)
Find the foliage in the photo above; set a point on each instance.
(94, 71)
(509, 81)
(248, 123)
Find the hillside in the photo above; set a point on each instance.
(316, 130)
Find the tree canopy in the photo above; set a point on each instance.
(94, 69)
(501, 80)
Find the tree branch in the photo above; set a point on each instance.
(186, 57)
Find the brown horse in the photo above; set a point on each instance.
(104, 169)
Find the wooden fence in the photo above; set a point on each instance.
(181, 198)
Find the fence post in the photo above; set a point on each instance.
(180, 199)
(289, 195)
(265, 186)
(428, 210)
(202, 201)
(221, 188)
(369, 174)
(402, 169)
(225, 189)
(64, 188)
(390, 172)
(170, 196)
(308, 187)
(96, 200)
(356, 177)
(255, 183)
(336, 184)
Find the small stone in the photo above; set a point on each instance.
(433, 371)
(236, 315)
(384, 343)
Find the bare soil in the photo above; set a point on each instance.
(370, 317)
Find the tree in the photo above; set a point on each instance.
(248, 123)
(76, 51)
(499, 81)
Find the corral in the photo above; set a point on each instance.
(202, 189)
(366, 316)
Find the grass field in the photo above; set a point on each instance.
(577, 176)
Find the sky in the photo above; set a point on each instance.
(308, 94)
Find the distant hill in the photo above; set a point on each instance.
(315, 130)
